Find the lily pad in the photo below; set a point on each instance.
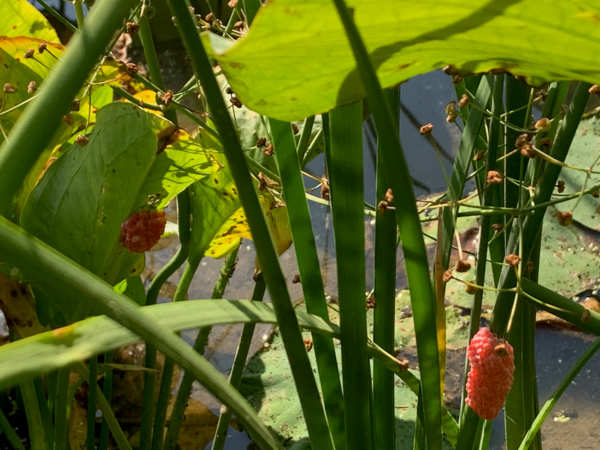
(21, 18)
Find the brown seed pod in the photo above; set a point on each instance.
(382, 207)
(325, 191)
(308, 344)
(451, 118)
(479, 155)
(29, 53)
(295, 128)
(586, 315)
(42, 47)
(132, 68)
(512, 260)
(457, 79)
(522, 140)
(235, 102)
(426, 129)
(529, 267)
(565, 218)
(9, 89)
(167, 97)
(75, 105)
(594, 89)
(229, 90)
(232, 3)
(451, 108)
(81, 140)
(268, 150)
(371, 302)
(470, 289)
(464, 101)
(546, 142)
(296, 279)
(31, 87)
(404, 365)
(543, 124)
(447, 275)
(67, 119)
(462, 266)
(560, 186)
(497, 227)
(261, 141)
(239, 24)
(132, 28)
(494, 177)
(389, 195)
(528, 151)
(209, 17)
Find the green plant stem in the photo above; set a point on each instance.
(107, 391)
(565, 383)
(10, 433)
(61, 419)
(385, 297)
(59, 274)
(58, 16)
(237, 370)
(44, 412)
(78, 4)
(290, 333)
(18, 155)
(305, 137)
(309, 268)
(313, 149)
(417, 265)
(91, 412)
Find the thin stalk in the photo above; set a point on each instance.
(78, 4)
(417, 265)
(58, 16)
(305, 137)
(313, 148)
(44, 412)
(57, 273)
(61, 420)
(107, 391)
(18, 155)
(385, 297)
(292, 337)
(310, 273)
(91, 412)
(237, 370)
(10, 433)
(347, 195)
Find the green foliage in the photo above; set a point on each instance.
(21, 18)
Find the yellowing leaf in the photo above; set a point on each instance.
(21, 18)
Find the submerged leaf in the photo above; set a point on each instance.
(296, 61)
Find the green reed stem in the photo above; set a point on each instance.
(305, 137)
(10, 433)
(107, 391)
(44, 113)
(78, 4)
(301, 369)
(91, 411)
(237, 370)
(44, 412)
(61, 420)
(58, 16)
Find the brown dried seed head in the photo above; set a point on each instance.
(451, 108)
(325, 192)
(494, 177)
(296, 279)
(464, 101)
(479, 155)
(67, 119)
(470, 289)
(308, 344)
(167, 97)
(42, 47)
(232, 3)
(404, 365)
(543, 124)
(528, 151)
(594, 89)
(497, 227)
(262, 181)
(295, 128)
(512, 260)
(9, 89)
(543, 93)
(586, 315)
(75, 105)
(425, 129)
(32, 87)
(235, 102)
(522, 140)
(239, 24)
(261, 141)
(82, 140)
(546, 142)
(29, 53)
(209, 17)
(501, 350)
(565, 218)
(560, 186)
(371, 302)
(389, 195)
(382, 207)
(451, 118)
(268, 150)
(595, 193)
(462, 266)
(132, 27)
(229, 90)
(447, 275)
(457, 79)
(529, 267)
(132, 68)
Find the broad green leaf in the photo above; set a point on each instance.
(134, 160)
(296, 61)
(21, 18)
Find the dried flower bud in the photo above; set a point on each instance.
(235, 102)
(371, 302)
(586, 315)
(546, 142)
(232, 3)
(262, 181)
(457, 79)
(594, 89)
(9, 89)
(389, 195)
(308, 344)
(447, 276)
(42, 47)
(425, 129)
(451, 118)
(229, 90)
(174, 20)
(512, 260)
(565, 218)
(543, 124)
(325, 192)
(191, 9)
(295, 128)
(462, 266)
(529, 267)
(209, 17)
(404, 365)
(497, 227)
(528, 151)
(149, 12)
(464, 101)
(132, 28)
(470, 289)
(522, 140)
(479, 155)
(451, 108)
(543, 94)
(131, 68)
(167, 98)
(29, 53)
(268, 150)
(261, 141)
(450, 70)
(81, 140)
(560, 186)
(239, 24)
(67, 119)
(31, 87)
(382, 207)
(494, 177)
(296, 279)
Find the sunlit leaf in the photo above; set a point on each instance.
(21, 18)
(296, 62)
